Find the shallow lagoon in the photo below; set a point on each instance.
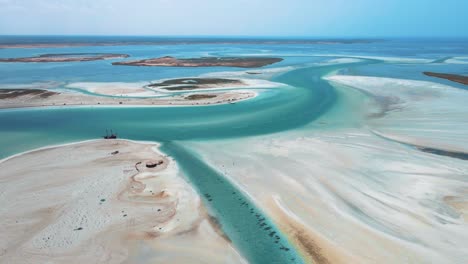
(307, 98)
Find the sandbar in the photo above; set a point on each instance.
(20, 98)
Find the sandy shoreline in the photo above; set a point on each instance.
(85, 202)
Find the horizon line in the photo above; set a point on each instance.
(240, 36)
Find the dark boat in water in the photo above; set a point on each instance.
(111, 135)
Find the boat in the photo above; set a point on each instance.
(111, 135)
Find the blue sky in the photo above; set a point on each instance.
(314, 18)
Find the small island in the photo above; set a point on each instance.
(451, 77)
(200, 96)
(168, 61)
(67, 57)
(194, 83)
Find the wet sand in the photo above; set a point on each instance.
(98, 202)
(419, 113)
(351, 195)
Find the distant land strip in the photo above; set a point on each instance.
(241, 62)
(451, 77)
(181, 42)
(66, 57)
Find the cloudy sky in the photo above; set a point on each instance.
(314, 18)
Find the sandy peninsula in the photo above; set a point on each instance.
(104, 201)
(168, 61)
(67, 57)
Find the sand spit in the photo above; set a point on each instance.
(123, 89)
(67, 99)
(67, 57)
(399, 60)
(88, 203)
(165, 92)
(419, 113)
(165, 87)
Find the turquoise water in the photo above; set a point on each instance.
(273, 111)
(306, 98)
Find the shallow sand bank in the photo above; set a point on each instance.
(67, 99)
(420, 113)
(165, 92)
(351, 195)
(85, 203)
(164, 87)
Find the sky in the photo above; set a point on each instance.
(287, 18)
